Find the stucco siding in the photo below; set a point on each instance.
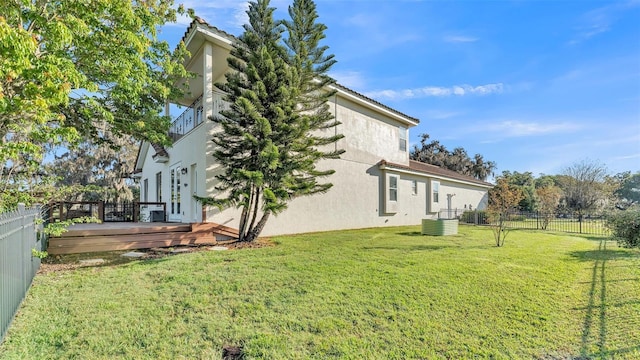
(357, 200)
(368, 136)
(360, 196)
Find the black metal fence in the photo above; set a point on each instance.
(126, 211)
(592, 224)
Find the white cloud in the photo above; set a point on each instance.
(600, 20)
(627, 157)
(516, 128)
(459, 39)
(351, 79)
(437, 91)
(229, 14)
(441, 114)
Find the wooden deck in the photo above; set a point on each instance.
(82, 238)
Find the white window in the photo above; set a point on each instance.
(414, 187)
(435, 189)
(393, 188)
(402, 135)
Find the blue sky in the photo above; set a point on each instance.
(532, 85)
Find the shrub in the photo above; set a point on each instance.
(625, 226)
(469, 217)
(517, 217)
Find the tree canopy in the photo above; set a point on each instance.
(434, 153)
(273, 134)
(69, 69)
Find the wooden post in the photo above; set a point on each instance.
(136, 206)
(204, 213)
(101, 210)
(164, 209)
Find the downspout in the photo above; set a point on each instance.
(335, 115)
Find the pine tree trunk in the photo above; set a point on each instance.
(255, 232)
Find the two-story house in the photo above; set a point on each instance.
(375, 183)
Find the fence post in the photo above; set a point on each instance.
(101, 210)
(475, 217)
(537, 220)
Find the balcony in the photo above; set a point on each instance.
(193, 116)
(187, 121)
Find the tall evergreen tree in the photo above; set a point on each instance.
(271, 136)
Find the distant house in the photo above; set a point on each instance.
(375, 183)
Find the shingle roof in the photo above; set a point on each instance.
(434, 170)
(160, 150)
(198, 20)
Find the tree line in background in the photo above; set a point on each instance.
(582, 189)
(434, 153)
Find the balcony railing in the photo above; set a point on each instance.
(187, 121)
(194, 116)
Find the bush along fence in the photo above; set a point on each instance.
(591, 224)
(21, 238)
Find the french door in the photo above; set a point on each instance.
(175, 213)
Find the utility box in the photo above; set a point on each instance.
(156, 216)
(439, 227)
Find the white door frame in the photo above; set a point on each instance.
(175, 198)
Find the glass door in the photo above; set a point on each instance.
(175, 213)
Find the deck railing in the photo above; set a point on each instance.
(20, 232)
(123, 211)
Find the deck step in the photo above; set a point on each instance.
(109, 238)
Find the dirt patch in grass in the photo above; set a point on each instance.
(69, 262)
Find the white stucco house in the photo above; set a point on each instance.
(375, 183)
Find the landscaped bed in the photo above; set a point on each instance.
(368, 294)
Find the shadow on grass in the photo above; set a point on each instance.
(596, 309)
(410, 247)
(411, 233)
(604, 255)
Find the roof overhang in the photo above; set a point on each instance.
(383, 165)
(199, 30)
(368, 103)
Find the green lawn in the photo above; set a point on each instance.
(367, 294)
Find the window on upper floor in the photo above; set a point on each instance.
(402, 135)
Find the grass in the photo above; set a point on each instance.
(364, 294)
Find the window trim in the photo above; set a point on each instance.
(402, 139)
(393, 188)
(145, 190)
(435, 191)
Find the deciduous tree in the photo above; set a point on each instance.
(66, 66)
(581, 184)
(503, 198)
(627, 192)
(547, 200)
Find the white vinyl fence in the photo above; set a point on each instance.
(20, 231)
